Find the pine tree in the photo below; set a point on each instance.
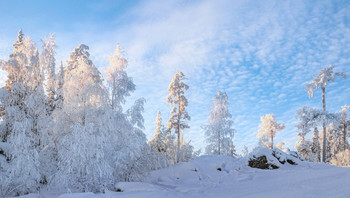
(315, 147)
(48, 63)
(59, 87)
(158, 142)
(177, 98)
(219, 132)
(344, 128)
(268, 129)
(321, 81)
(170, 146)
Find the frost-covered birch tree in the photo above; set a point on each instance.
(219, 132)
(119, 84)
(179, 115)
(268, 129)
(320, 81)
(83, 87)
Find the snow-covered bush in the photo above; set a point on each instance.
(20, 165)
(82, 161)
(341, 158)
(304, 149)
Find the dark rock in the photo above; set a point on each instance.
(291, 162)
(118, 190)
(261, 162)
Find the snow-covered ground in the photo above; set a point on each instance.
(222, 176)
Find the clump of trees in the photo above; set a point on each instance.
(169, 140)
(334, 133)
(69, 128)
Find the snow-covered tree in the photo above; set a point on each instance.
(158, 142)
(321, 81)
(268, 129)
(83, 88)
(280, 146)
(245, 151)
(24, 126)
(342, 158)
(108, 144)
(308, 118)
(186, 151)
(119, 84)
(316, 147)
(179, 102)
(304, 149)
(219, 132)
(344, 128)
(170, 146)
(47, 59)
(311, 118)
(59, 87)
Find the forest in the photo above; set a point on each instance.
(65, 125)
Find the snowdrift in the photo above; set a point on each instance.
(224, 176)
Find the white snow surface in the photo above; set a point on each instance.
(201, 178)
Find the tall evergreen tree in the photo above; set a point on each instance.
(219, 132)
(47, 60)
(344, 127)
(158, 142)
(315, 147)
(179, 102)
(59, 87)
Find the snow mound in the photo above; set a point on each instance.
(265, 158)
(224, 176)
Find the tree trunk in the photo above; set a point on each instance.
(324, 146)
(344, 137)
(219, 144)
(271, 142)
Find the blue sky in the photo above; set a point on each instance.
(260, 52)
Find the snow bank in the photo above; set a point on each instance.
(224, 176)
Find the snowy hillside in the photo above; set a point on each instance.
(223, 176)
